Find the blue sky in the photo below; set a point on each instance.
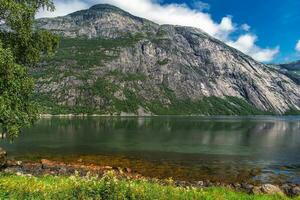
(267, 30)
(275, 22)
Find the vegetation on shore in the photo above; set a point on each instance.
(109, 187)
(21, 48)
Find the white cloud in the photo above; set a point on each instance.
(200, 5)
(63, 8)
(225, 28)
(297, 48)
(226, 24)
(245, 27)
(177, 14)
(246, 44)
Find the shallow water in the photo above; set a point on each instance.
(227, 149)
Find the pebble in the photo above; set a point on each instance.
(128, 170)
(200, 183)
(19, 163)
(19, 174)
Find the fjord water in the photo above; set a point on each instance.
(190, 148)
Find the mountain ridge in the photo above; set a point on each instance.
(291, 69)
(293, 66)
(114, 62)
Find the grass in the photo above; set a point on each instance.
(111, 188)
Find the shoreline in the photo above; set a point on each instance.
(62, 169)
(136, 115)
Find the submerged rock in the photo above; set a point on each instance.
(3, 157)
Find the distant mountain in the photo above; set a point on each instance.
(293, 66)
(111, 62)
(292, 70)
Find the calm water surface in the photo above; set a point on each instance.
(191, 148)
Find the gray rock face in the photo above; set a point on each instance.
(99, 21)
(184, 60)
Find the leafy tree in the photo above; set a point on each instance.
(21, 47)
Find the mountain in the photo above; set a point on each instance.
(111, 62)
(292, 70)
(293, 66)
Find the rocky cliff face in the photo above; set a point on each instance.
(111, 62)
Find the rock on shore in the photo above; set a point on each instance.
(48, 167)
(3, 158)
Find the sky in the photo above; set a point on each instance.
(267, 30)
